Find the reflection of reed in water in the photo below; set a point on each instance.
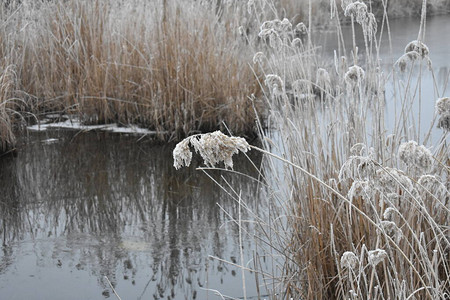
(118, 206)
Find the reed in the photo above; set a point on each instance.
(364, 221)
(360, 211)
(162, 68)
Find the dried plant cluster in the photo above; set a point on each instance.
(360, 211)
(163, 68)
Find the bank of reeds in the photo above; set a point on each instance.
(156, 64)
(9, 107)
(368, 208)
(361, 211)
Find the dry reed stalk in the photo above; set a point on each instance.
(349, 186)
(168, 71)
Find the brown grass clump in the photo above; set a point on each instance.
(8, 107)
(359, 211)
(153, 64)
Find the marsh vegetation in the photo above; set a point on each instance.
(357, 208)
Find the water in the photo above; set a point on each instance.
(76, 207)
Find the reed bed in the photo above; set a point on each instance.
(359, 211)
(149, 63)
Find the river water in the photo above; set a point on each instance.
(77, 208)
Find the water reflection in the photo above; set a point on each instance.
(94, 204)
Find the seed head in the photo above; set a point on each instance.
(358, 10)
(323, 78)
(389, 213)
(274, 40)
(213, 147)
(414, 155)
(275, 84)
(390, 180)
(300, 29)
(443, 106)
(406, 58)
(357, 168)
(376, 256)
(349, 260)
(354, 76)
(258, 57)
(296, 43)
(432, 184)
(444, 122)
(182, 155)
(418, 47)
(360, 188)
(286, 26)
(266, 25)
(391, 229)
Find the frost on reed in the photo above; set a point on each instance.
(275, 84)
(415, 156)
(443, 110)
(358, 11)
(376, 256)
(349, 260)
(413, 51)
(213, 147)
(354, 76)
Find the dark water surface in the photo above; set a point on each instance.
(76, 207)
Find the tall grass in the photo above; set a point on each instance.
(362, 211)
(148, 63)
(8, 108)
(368, 208)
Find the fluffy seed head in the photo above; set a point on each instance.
(358, 10)
(443, 106)
(416, 156)
(258, 57)
(213, 147)
(360, 188)
(300, 29)
(182, 155)
(357, 168)
(391, 180)
(432, 184)
(444, 122)
(296, 43)
(354, 76)
(389, 213)
(286, 26)
(275, 84)
(418, 47)
(391, 229)
(349, 260)
(403, 61)
(376, 256)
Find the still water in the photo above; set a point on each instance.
(76, 207)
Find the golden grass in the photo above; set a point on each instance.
(358, 211)
(350, 185)
(162, 68)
